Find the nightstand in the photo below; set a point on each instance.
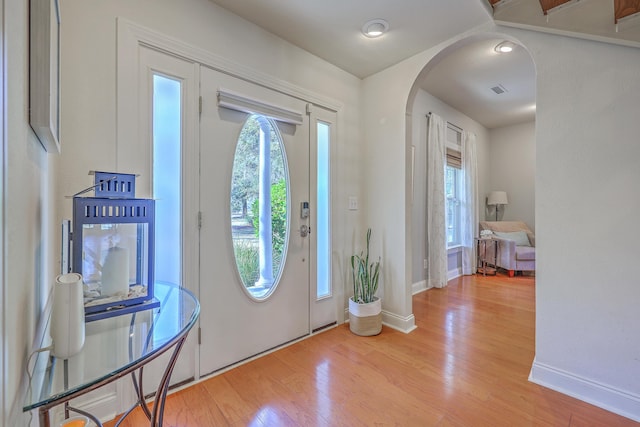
(486, 256)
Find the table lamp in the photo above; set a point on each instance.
(497, 198)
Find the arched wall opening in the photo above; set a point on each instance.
(497, 138)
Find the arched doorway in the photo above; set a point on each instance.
(475, 88)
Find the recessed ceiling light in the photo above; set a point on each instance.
(505, 47)
(375, 28)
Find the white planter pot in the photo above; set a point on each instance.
(365, 319)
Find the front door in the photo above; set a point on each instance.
(255, 213)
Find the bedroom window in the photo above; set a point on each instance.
(452, 180)
(453, 188)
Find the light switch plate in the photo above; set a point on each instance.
(353, 203)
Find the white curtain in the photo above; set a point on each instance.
(470, 214)
(436, 221)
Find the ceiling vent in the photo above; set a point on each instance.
(499, 89)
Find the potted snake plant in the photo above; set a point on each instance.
(365, 308)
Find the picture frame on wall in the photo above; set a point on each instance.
(44, 72)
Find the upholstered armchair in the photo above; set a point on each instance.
(516, 245)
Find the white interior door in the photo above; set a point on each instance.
(241, 316)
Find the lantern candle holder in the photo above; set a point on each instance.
(113, 247)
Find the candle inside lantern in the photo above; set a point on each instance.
(115, 272)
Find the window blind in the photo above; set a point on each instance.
(454, 158)
(238, 102)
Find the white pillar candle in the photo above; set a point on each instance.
(67, 316)
(115, 272)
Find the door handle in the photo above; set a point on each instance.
(305, 230)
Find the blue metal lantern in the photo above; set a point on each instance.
(113, 247)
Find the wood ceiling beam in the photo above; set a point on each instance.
(547, 5)
(624, 8)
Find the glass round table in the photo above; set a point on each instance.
(115, 347)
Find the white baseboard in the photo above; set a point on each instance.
(424, 285)
(418, 287)
(393, 321)
(598, 394)
(404, 324)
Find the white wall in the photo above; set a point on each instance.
(388, 185)
(586, 207)
(512, 168)
(28, 178)
(423, 104)
(587, 204)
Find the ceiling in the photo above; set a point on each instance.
(330, 29)
(463, 78)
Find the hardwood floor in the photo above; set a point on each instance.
(466, 365)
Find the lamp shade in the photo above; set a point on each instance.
(497, 198)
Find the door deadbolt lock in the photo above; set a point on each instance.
(304, 210)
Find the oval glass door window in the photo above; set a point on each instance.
(259, 197)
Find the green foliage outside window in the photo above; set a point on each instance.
(247, 261)
(245, 203)
(278, 216)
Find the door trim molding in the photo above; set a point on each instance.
(131, 35)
